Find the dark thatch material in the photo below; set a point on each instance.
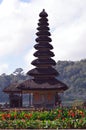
(43, 53)
(41, 71)
(45, 62)
(43, 28)
(43, 38)
(43, 20)
(42, 85)
(43, 23)
(12, 88)
(52, 84)
(43, 32)
(42, 46)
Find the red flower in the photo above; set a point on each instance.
(3, 118)
(28, 116)
(6, 116)
(59, 111)
(73, 114)
(59, 115)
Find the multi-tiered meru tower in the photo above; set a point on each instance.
(44, 84)
(44, 71)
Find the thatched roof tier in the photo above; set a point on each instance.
(44, 32)
(43, 20)
(53, 84)
(42, 46)
(12, 88)
(41, 62)
(43, 72)
(43, 28)
(43, 23)
(43, 53)
(43, 38)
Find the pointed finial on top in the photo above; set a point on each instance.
(43, 10)
(43, 13)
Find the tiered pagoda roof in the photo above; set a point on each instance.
(44, 75)
(44, 70)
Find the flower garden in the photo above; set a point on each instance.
(58, 118)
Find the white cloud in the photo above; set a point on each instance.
(15, 26)
(18, 23)
(69, 41)
(28, 59)
(3, 68)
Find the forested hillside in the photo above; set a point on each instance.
(71, 73)
(74, 75)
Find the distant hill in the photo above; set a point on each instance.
(73, 73)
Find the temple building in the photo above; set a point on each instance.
(44, 86)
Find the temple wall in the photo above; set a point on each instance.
(44, 99)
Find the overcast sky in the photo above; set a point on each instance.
(18, 23)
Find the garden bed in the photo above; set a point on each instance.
(61, 118)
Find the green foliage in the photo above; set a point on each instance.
(58, 118)
(74, 75)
